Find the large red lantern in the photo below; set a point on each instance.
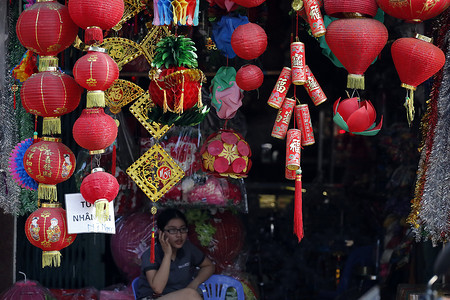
(46, 228)
(100, 188)
(47, 29)
(249, 77)
(350, 8)
(249, 41)
(50, 94)
(413, 10)
(226, 153)
(356, 43)
(49, 162)
(94, 130)
(249, 3)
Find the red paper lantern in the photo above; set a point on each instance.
(226, 153)
(50, 95)
(100, 188)
(249, 77)
(49, 162)
(350, 8)
(249, 3)
(46, 28)
(413, 10)
(356, 43)
(94, 130)
(46, 228)
(27, 289)
(249, 41)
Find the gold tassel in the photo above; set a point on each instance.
(355, 81)
(51, 259)
(179, 107)
(409, 102)
(102, 210)
(199, 101)
(47, 62)
(165, 106)
(95, 99)
(51, 125)
(47, 192)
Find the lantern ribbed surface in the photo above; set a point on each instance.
(50, 94)
(413, 10)
(416, 60)
(342, 8)
(46, 28)
(94, 130)
(46, 228)
(95, 71)
(99, 185)
(100, 13)
(249, 41)
(249, 3)
(249, 77)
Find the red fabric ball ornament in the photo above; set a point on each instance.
(99, 13)
(46, 28)
(249, 3)
(46, 228)
(350, 8)
(413, 10)
(226, 153)
(356, 43)
(100, 188)
(249, 41)
(249, 77)
(49, 162)
(94, 130)
(96, 70)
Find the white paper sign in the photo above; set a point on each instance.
(81, 216)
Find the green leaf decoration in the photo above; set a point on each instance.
(175, 51)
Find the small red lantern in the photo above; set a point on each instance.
(413, 10)
(249, 41)
(100, 188)
(49, 162)
(356, 43)
(350, 8)
(249, 3)
(46, 228)
(226, 153)
(94, 130)
(50, 94)
(249, 77)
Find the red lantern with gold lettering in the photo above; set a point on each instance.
(413, 10)
(46, 228)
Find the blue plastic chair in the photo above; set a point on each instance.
(134, 286)
(215, 288)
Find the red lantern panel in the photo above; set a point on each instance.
(100, 13)
(249, 77)
(413, 10)
(249, 41)
(350, 8)
(94, 130)
(249, 3)
(46, 28)
(96, 70)
(46, 228)
(99, 185)
(50, 94)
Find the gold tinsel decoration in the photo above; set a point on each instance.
(131, 8)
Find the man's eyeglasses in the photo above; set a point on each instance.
(176, 230)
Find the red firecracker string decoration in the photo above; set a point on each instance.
(100, 188)
(249, 77)
(413, 10)
(46, 228)
(249, 41)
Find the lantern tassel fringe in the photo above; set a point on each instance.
(51, 125)
(47, 192)
(95, 99)
(355, 81)
(102, 210)
(298, 215)
(51, 259)
(409, 105)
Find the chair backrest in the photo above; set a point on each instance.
(134, 286)
(215, 288)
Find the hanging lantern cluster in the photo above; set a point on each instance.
(356, 39)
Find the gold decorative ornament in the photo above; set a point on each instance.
(122, 50)
(131, 8)
(120, 93)
(148, 44)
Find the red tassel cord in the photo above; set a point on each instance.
(113, 162)
(298, 215)
(152, 249)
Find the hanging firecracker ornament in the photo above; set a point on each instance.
(351, 8)
(49, 162)
(226, 153)
(314, 17)
(293, 148)
(175, 86)
(356, 116)
(249, 41)
(100, 188)
(281, 124)
(95, 16)
(413, 10)
(50, 94)
(249, 77)
(303, 119)
(280, 89)
(249, 3)
(416, 60)
(356, 43)
(94, 130)
(47, 29)
(46, 228)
